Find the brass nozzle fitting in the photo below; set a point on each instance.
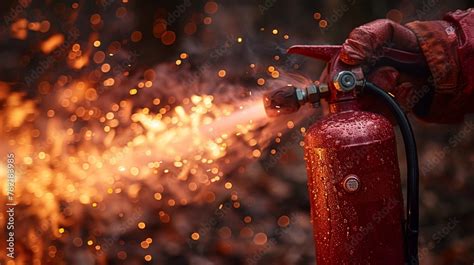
(289, 99)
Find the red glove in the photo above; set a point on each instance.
(364, 47)
(446, 93)
(366, 41)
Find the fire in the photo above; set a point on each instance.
(99, 143)
(73, 151)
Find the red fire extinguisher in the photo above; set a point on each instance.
(353, 174)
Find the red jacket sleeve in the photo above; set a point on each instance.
(448, 46)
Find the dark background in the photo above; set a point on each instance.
(265, 193)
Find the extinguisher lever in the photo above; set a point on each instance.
(386, 56)
(412, 219)
(320, 52)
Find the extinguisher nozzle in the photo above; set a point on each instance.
(281, 101)
(289, 99)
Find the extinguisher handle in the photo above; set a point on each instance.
(388, 56)
(402, 60)
(412, 221)
(404, 57)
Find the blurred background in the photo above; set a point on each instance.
(139, 137)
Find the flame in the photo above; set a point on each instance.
(71, 150)
(99, 143)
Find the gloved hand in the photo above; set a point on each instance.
(365, 42)
(364, 47)
(445, 93)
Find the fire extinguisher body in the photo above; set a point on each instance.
(354, 188)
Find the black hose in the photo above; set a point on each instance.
(411, 227)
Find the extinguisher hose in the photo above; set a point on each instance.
(411, 228)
